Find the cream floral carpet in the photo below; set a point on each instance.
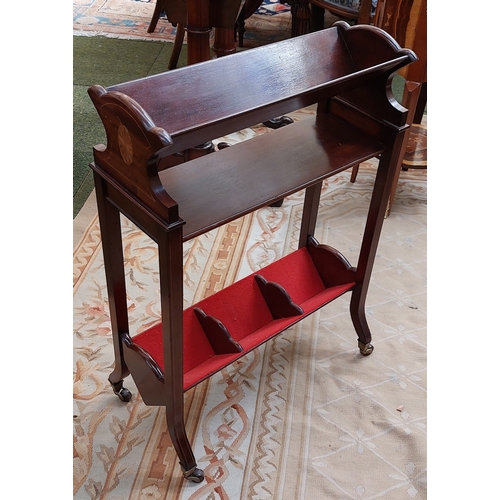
(304, 416)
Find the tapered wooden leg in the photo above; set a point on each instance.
(156, 16)
(386, 173)
(111, 238)
(354, 172)
(310, 213)
(176, 49)
(171, 286)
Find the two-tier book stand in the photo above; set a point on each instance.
(152, 171)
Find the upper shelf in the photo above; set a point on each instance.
(344, 69)
(214, 98)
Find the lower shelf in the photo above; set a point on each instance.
(227, 325)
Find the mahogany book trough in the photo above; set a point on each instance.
(154, 171)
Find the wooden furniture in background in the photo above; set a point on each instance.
(345, 71)
(406, 21)
(415, 89)
(222, 18)
(197, 18)
(361, 15)
(249, 8)
(308, 15)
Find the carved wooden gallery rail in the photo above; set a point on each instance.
(347, 72)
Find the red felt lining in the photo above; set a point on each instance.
(244, 312)
(241, 308)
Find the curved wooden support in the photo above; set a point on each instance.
(177, 431)
(358, 316)
(148, 360)
(183, 156)
(278, 300)
(217, 334)
(130, 156)
(176, 49)
(333, 268)
(155, 17)
(147, 374)
(377, 49)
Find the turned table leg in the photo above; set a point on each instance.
(224, 42)
(300, 13)
(198, 31)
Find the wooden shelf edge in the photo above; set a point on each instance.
(323, 143)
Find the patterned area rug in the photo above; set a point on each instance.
(131, 18)
(304, 416)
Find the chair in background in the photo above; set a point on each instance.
(249, 8)
(358, 11)
(222, 16)
(176, 17)
(406, 22)
(309, 15)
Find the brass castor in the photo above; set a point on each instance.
(365, 349)
(195, 475)
(124, 394)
